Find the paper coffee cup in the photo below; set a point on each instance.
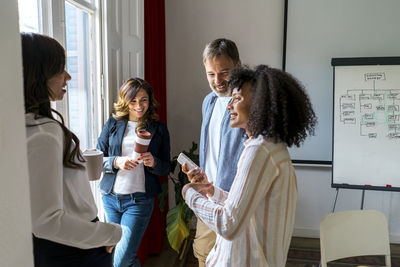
(142, 141)
(94, 163)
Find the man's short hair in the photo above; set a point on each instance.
(221, 47)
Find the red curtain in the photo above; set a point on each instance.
(155, 74)
(154, 51)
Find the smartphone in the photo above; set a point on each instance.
(182, 159)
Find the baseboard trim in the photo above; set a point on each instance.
(312, 233)
(304, 232)
(394, 239)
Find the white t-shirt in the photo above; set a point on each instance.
(214, 137)
(129, 181)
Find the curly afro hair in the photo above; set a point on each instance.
(280, 107)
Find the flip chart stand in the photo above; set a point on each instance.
(336, 196)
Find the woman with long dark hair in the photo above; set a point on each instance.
(66, 231)
(130, 181)
(254, 221)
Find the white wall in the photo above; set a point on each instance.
(316, 198)
(257, 28)
(15, 230)
(190, 25)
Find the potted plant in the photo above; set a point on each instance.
(179, 217)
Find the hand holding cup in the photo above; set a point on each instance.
(148, 159)
(142, 142)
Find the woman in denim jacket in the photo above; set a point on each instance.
(130, 184)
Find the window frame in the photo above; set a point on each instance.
(52, 22)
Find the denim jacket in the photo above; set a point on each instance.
(110, 142)
(230, 147)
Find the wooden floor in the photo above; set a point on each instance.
(167, 258)
(304, 252)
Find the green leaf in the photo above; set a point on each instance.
(178, 218)
(177, 230)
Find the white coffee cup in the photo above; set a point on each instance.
(142, 142)
(94, 163)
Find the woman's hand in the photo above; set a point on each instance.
(148, 159)
(196, 175)
(125, 163)
(203, 188)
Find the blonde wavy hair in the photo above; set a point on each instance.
(127, 93)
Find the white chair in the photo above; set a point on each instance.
(354, 233)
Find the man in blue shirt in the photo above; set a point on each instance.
(220, 145)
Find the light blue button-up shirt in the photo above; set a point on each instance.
(230, 147)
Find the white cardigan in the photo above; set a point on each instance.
(62, 204)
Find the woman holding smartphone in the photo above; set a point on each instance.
(254, 221)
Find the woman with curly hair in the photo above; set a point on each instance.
(66, 230)
(254, 221)
(129, 184)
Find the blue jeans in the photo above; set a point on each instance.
(132, 212)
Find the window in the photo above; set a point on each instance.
(75, 24)
(29, 15)
(80, 67)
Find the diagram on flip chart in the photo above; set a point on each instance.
(375, 111)
(366, 130)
